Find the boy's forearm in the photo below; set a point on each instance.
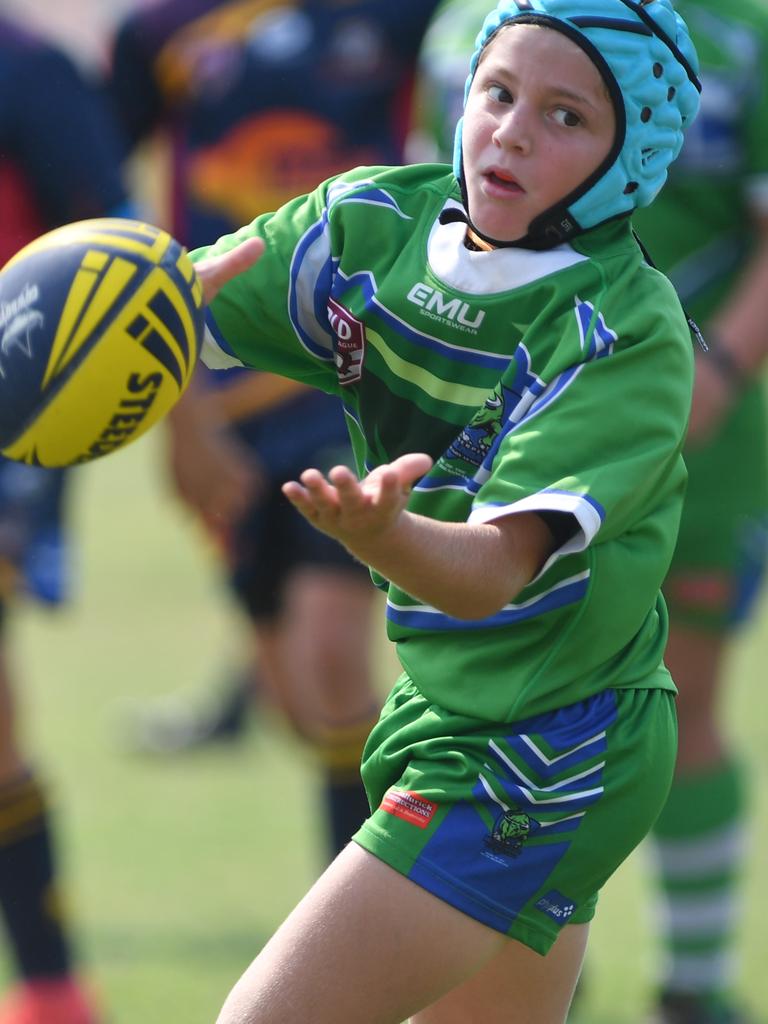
(464, 570)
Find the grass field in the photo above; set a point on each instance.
(177, 870)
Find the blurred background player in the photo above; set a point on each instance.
(59, 161)
(253, 104)
(709, 233)
(708, 230)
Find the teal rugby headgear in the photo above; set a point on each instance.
(646, 58)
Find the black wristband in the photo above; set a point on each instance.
(727, 367)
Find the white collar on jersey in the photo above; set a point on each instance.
(487, 273)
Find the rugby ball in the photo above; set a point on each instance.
(100, 328)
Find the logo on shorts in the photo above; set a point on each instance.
(350, 342)
(411, 807)
(510, 832)
(556, 906)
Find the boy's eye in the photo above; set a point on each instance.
(567, 118)
(499, 94)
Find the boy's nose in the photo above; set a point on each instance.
(514, 130)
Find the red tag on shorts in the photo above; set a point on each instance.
(409, 806)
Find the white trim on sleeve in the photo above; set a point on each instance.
(583, 511)
(213, 356)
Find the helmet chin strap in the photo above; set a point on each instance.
(552, 227)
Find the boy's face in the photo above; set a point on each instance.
(538, 121)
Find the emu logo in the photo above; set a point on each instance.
(436, 306)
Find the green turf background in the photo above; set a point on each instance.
(178, 869)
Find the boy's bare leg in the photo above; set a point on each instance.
(367, 946)
(517, 987)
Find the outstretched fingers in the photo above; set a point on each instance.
(311, 494)
(349, 489)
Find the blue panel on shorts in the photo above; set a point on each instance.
(492, 855)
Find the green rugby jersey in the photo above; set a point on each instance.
(558, 381)
(700, 229)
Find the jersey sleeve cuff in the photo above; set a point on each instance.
(588, 514)
(215, 353)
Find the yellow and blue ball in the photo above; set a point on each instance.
(101, 323)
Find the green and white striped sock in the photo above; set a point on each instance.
(700, 847)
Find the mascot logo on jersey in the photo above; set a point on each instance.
(475, 442)
(349, 346)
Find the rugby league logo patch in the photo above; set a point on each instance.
(350, 342)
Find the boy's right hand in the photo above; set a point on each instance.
(216, 271)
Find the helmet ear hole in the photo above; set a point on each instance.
(647, 155)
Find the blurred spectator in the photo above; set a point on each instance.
(59, 161)
(256, 104)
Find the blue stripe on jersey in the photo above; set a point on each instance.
(365, 281)
(218, 337)
(554, 507)
(525, 410)
(542, 505)
(601, 337)
(374, 197)
(446, 483)
(593, 502)
(459, 865)
(439, 483)
(526, 384)
(551, 394)
(532, 396)
(310, 281)
(568, 591)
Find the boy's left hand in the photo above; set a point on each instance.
(357, 511)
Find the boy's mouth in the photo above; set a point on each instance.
(503, 181)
